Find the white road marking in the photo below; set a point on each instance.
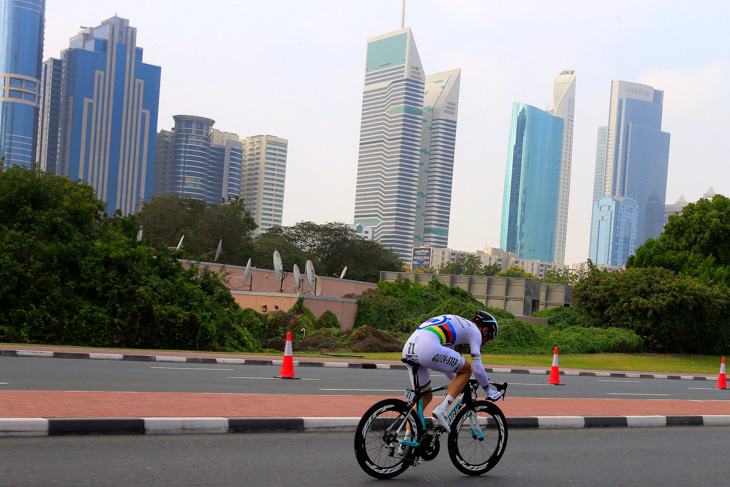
(701, 388)
(632, 394)
(189, 368)
(618, 380)
(4, 383)
(526, 384)
(266, 378)
(365, 390)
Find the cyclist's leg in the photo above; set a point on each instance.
(411, 350)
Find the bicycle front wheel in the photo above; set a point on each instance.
(377, 435)
(478, 438)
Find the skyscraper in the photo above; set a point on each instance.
(531, 182)
(107, 124)
(563, 106)
(613, 230)
(50, 102)
(263, 179)
(198, 161)
(438, 142)
(21, 52)
(404, 179)
(537, 178)
(632, 158)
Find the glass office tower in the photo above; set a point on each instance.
(532, 182)
(21, 52)
(107, 122)
(632, 158)
(613, 230)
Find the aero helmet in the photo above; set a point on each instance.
(490, 327)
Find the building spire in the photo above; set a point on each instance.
(403, 15)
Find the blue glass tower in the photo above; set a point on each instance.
(107, 124)
(531, 185)
(21, 52)
(632, 158)
(613, 230)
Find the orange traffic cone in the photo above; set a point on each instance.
(722, 380)
(555, 371)
(287, 367)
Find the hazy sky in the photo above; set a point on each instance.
(295, 69)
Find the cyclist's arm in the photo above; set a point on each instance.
(475, 342)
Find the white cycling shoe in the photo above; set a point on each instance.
(441, 414)
(493, 394)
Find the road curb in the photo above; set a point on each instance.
(350, 365)
(10, 427)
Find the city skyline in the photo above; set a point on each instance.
(308, 88)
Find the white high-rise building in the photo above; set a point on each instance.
(262, 183)
(407, 139)
(438, 142)
(563, 106)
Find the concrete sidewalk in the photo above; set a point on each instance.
(70, 412)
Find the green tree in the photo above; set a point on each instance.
(491, 269)
(70, 274)
(465, 265)
(695, 242)
(331, 247)
(561, 276)
(516, 272)
(165, 219)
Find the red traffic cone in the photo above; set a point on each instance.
(555, 371)
(287, 366)
(722, 379)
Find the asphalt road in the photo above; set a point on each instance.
(43, 374)
(666, 457)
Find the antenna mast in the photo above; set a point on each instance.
(403, 15)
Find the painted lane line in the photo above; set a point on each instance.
(365, 390)
(526, 384)
(632, 394)
(620, 381)
(267, 378)
(701, 388)
(189, 368)
(4, 383)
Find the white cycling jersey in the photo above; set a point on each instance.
(432, 345)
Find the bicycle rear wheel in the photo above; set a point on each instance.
(377, 435)
(478, 438)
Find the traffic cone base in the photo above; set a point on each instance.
(555, 370)
(287, 366)
(722, 379)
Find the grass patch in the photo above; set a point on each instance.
(644, 362)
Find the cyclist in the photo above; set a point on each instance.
(432, 345)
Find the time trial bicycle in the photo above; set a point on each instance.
(476, 443)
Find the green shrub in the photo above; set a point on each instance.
(328, 320)
(560, 317)
(673, 313)
(519, 337)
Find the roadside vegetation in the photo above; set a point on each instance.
(72, 275)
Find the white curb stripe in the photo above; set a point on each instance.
(171, 426)
(24, 427)
(106, 356)
(167, 358)
(562, 422)
(34, 353)
(330, 424)
(646, 421)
